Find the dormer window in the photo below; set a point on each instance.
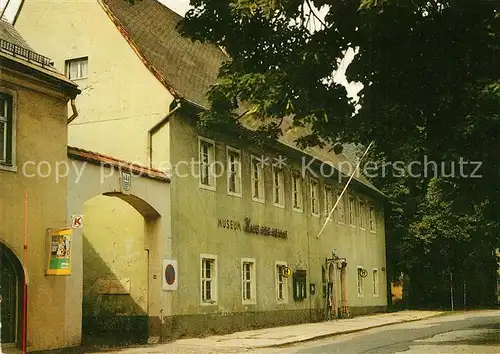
(77, 69)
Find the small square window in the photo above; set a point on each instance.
(77, 68)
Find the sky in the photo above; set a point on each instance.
(179, 6)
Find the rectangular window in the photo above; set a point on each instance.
(257, 179)
(328, 201)
(297, 192)
(314, 197)
(77, 68)
(278, 187)
(206, 160)
(281, 289)
(362, 215)
(341, 209)
(372, 219)
(360, 289)
(248, 280)
(375, 282)
(233, 171)
(5, 129)
(352, 211)
(208, 279)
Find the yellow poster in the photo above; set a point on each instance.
(59, 260)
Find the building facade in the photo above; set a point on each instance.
(242, 236)
(33, 127)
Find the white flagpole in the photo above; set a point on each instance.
(343, 191)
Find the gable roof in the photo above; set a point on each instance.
(185, 67)
(188, 69)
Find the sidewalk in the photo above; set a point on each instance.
(240, 342)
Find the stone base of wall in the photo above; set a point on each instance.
(114, 330)
(123, 330)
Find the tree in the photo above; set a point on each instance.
(431, 92)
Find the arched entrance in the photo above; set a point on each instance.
(11, 292)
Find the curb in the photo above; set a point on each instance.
(322, 336)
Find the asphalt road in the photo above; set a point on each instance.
(470, 332)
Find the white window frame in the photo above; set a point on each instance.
(11, 166)
(282, 281)
(328, 201)
(351, 209)
(280, 187)
(341, 206)
(297, 193)
(213, 279)
(230, 150)
(372, 219)
(256, 162)
(252, 281)
(360, 289)
(79, 62)
(362, 215)
(375, 283)
(211, 158)
(314, 196)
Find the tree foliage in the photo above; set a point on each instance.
(430, 72)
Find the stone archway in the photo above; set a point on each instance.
(148, 195)
(11, 297)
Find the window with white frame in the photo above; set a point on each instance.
(233, 171)
(375, 281)
(372, 219)
(257, 179)
(278, 187)
(328, 201)
(341, 209)
(281, 285)
(206, 160)
(208, 279)
(297, 202)
(77, 68)
(352, 211)
(362, 215)
(6, 129)
(360, 288)
(248, 280)
(314, 195)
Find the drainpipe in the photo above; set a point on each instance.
(156, 128)
(75, 111)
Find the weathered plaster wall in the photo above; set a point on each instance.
(120, 100)
(194, 222)
(41, 136)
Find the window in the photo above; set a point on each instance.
(299, 285)
(375, 281)
(208, 279)
(328, 201)
(297, 192)
(206, 158)
(341, 210)
(314, 197)
(77, 68)
(362, 215)
(372, 218)
(281, 290)
(278, 187)
(248, 280)
(233, 171)
(6, 131)
(257, 179)
(352, 211)
(360, 289)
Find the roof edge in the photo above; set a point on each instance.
(96, 158)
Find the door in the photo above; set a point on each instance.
(8, 299)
